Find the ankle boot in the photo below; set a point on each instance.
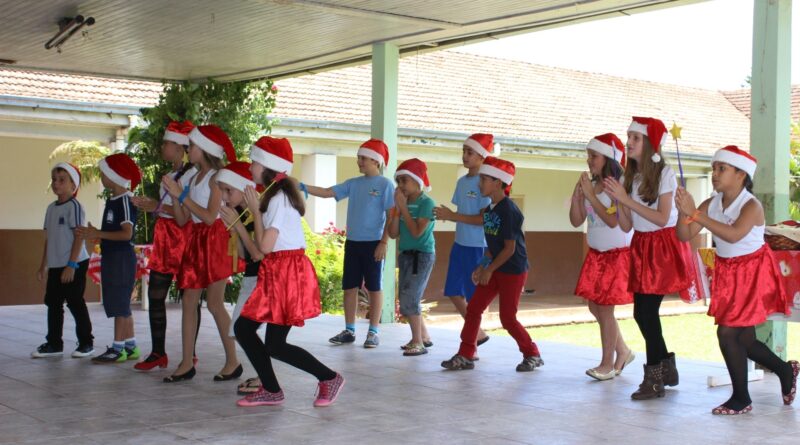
(669, 370)
(653, 384)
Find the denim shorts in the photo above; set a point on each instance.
(412, 285)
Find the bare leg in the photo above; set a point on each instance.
(415, 321)
(375, 307)
(608, 335)
(350, 305)
(215, 298)
(189, 302)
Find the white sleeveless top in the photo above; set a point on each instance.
(201, 192)
(667, 184)
(747, 245)
(599, 235)
(184, 181)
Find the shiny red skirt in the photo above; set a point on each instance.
(746, 289)
(206, 259)
(169, 245)
(604, 277)
(287, 292)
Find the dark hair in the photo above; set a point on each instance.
(288, 188)
(649, 171)
(611, 169)
(748, 181)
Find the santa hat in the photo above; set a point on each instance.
(738, 158)
(73, 173)
(273, 153)
(610, 146)
(498, 168)
(375, 149)
(654, 129)
(417, 170)
(237, 175)
(121, 170)
(483, 144)
(178, 132)
(214, 141)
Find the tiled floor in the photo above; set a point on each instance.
(388, 398)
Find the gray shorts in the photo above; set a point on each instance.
(412, 285)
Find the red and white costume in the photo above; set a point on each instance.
(169, 239)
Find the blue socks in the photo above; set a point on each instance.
(130, 343)
(350, 327)
(118, 345)
(373, 329)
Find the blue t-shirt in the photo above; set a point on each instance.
(370, 198)
(119, 210)
(501, 223)
(468, 200)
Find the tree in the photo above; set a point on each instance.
(83, 154)
(794, 172)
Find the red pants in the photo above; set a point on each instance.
(509, 287)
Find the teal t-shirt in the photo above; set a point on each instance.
(422, 207)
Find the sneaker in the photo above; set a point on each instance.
(328, 391)
(343, 337)
(83, 351)
(530, 363)
(262, 397)
(47, 350)
(133, 353)
(111, 356)
(458, 363)
(414, 350)
(372, 340)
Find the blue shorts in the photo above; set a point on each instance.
(117, 277)
(463, 261)
(360, 266)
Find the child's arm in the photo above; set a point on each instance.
(40, 274)
(149, 205)
(383, 245)
(319, 192)
(206, 214)
(416, 227)
(577, 212)
(752, 214)
(625, 221)
(485, 274)
(230, 216)
(92, 233)
(659, 216)
(178, 194)
(394, 226)
(68, 274)
(443, 213)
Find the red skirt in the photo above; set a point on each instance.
(206, 259)
(747, 289)
(287, 292)
(661, 264)
(604, 277)
(169, 245)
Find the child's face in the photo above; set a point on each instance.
(107, 183)
(257, 170)
(61, 183)
(367, 165)
(726, 177)
(232, 196)
(488, 185)
(171, 152)
(195, 154)
(595, 161)
(407, 185)
(635, 145)
(470, 159)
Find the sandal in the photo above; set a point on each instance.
(249, 386)
(414, 350)
(723, 410)
(409, 345)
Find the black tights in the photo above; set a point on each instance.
(276, 347)
(737, 345)
(645, 312)
(157, 294)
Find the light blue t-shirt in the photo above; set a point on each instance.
(468, 200)
(370, 198)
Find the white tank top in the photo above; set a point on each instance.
(747, 245)
(599, 235)
(184, 181)
(668, 183)
(201, 192)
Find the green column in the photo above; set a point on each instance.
(769, 125)
(385, 64)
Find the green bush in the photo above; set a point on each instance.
(326, 251)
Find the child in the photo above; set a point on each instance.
(469, 244)
(502, 271)
(206, 263)
(65, 262)
(604, 277)
(414, 226)
(287, 292)
(645, 203)
(747, 284)
(371, 197)
(120, 176)
(169, 242)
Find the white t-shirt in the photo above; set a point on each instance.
(599, 235)
(184, 181)
(667, 184)
(282, 216)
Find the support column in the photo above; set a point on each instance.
(769, 125)
(385, 64)
(319, 169)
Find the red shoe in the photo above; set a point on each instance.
(152, 360)
(789, 398)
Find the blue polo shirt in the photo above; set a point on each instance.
(370, 197)
(119, 210)
(468, 201)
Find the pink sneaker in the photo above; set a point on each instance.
(328, 390)
(262, 397)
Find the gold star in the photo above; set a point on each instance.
(675, 131)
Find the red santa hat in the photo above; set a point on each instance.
(237, 175)
(178, 132)
(213, 140)
(73, 173)
(273, 153)
(121, 170)
(654, 129)
(375, 149)
(610, 146)
(738, 158)
(417, 170)
(483, 144)
(498, 168)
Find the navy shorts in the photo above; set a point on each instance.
(360, 266)
(463, 261)
(117, 277)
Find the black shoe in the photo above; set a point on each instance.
(234, 375)
(188, 375)
(47, 350)
(83, 351)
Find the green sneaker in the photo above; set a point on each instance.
(111, 356)
(133, 354)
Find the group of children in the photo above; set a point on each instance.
(216, 219)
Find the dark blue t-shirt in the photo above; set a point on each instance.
(501, 223)
(119, 210)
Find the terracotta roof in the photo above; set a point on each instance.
(70, 87)
(741, 100)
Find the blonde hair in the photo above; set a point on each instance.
(648, 171)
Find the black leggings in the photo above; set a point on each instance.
(157, 294)
(645, 312)
(259, 353)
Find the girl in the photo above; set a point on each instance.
(287, 292)
(206, 264)
(747, 284)
(417, 247)
(658, 260)
(604, 276)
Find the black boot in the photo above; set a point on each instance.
(670, 371)
(653, 384)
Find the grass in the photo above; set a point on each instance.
(690, 336)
